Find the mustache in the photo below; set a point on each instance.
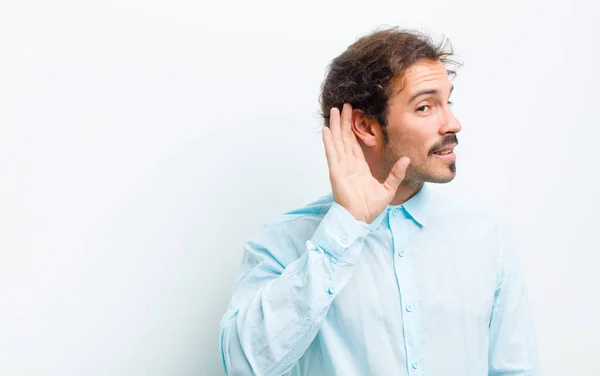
(448, 140)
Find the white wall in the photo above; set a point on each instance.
(142, 141)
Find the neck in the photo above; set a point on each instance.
(405, 191)
(409, 186)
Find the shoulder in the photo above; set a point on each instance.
(447, 208)
(304, 217)
(285, 235)
(467, 221)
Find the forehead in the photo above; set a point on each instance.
(424, 74)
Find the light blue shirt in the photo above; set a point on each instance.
(432, 287)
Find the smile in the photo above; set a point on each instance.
(446, 155)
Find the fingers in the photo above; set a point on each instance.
(346, 128)
(336, 136)
(330, 151)
(340, 141)
(356, 150)
(396, 176)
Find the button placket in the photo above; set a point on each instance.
(408, 294)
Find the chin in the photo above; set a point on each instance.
(439, 175)
(442, 179)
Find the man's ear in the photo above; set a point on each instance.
(365, 128)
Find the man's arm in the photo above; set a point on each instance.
(276, 312)
(513, 347)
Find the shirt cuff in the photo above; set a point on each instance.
(338, 231)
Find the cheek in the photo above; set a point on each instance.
(415, 147)
(410, 139)
(422, 144)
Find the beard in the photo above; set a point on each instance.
(419, 170)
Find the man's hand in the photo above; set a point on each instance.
(353, 185)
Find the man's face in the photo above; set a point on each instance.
(420, 124)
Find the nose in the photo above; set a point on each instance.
(450, 123)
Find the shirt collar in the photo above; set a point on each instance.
(416, 206)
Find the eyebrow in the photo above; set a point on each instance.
(425, 92)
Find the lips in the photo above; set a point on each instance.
(445, 150)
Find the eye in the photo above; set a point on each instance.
(450, 103)
(423, 108)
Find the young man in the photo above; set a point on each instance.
(383, 276)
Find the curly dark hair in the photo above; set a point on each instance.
(362, 75)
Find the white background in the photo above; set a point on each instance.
(141, 142)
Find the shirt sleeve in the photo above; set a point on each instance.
(276, 311)
(513, 348)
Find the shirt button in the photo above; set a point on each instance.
(415, 365)
(409, 308)
(394, 212)
(401, 252)
(332, 290)
(344, 240)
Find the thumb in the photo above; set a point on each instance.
(396, 176)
